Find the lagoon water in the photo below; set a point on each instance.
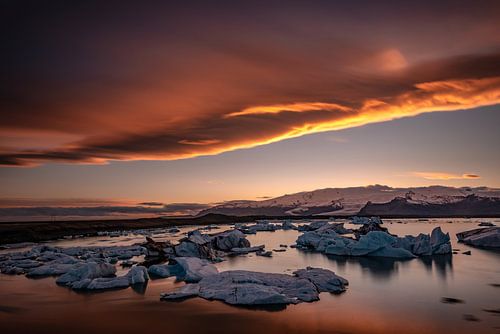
(384, 296)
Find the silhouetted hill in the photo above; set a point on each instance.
(471, 205)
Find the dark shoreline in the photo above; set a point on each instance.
(14, 232)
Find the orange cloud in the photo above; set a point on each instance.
(293, 107)
(201, 142)
(171, 81)
(425, 97)
(445, 176)
(232, 124)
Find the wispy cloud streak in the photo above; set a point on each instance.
(446, 176)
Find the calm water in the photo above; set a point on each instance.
(384, 296)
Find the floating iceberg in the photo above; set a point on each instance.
(240, 287)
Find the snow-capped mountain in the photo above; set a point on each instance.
(349, 201)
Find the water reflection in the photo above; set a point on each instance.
(140, 288)
(10, 309)
(266, 308)
(442, 263)
(379, 268)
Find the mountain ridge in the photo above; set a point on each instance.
(352, 200)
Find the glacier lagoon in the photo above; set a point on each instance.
(383, 296)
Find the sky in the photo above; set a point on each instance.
(212, 101)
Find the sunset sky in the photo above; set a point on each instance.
(216, 100)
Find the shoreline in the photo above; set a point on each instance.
(38, 231)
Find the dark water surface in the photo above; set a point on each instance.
(384, 296)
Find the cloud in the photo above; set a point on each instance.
(50, 211)
(201, 142)
(445, 176)
(62, 202)
(151, 203)
(147, 208)
(471, 176)
(126, 87)
(392, 60)
(261, 125)
(293, 107)
(214, 182)
(191, 208)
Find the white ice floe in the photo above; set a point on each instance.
(378, 243)
(246, 250)
(194, 269)
(189, 269)
(84, 271)
(136, 275)
(488, 237)
(240, 287)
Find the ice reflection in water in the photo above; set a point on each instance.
(384, 268)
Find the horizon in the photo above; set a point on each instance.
(26, 210)
(65, 202)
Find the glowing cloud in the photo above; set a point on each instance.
(293, 107)
(269, 124)
(445, 176)
(201, 142)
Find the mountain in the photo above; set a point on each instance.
(366, 200)
(471, 205)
